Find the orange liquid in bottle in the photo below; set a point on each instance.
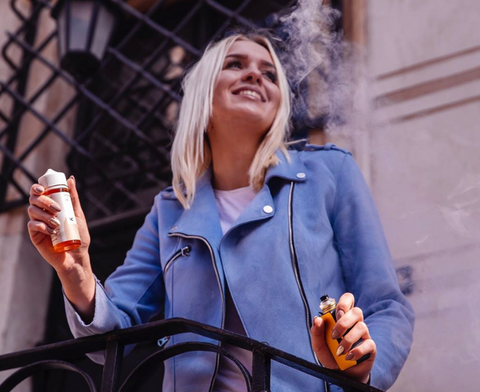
(69, 244)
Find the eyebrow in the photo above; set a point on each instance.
(244, 56)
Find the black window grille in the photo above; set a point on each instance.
(124, 113)
(119, 148)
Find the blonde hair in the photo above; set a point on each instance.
(190, 151)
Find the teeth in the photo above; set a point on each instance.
(251, 93)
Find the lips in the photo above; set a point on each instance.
(250, 91)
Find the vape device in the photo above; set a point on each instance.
(327, 312)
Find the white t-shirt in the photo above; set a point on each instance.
(230, 205)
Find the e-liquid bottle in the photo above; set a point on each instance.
(327, 312)
(67, 236)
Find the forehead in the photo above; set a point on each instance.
(250, 49)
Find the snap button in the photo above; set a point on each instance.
(301, 175)
(166, 194)
(268, 209)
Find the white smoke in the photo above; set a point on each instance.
(322, 67)
(461, 208)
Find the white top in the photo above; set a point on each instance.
(230, 205)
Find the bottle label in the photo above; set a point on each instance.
(68, 229)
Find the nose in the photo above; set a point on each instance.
(253, 75)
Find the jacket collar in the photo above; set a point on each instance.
(293, 171)
(202, 218)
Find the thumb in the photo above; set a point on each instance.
(318, 334)
(319, 345)
(77, 208)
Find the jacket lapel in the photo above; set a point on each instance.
(202, 219)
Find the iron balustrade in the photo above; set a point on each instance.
(56, 356)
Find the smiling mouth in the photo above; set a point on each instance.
(250, 93)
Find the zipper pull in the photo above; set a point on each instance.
(185, 251)
(163, 341)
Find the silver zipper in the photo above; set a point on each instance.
(163, 341)
(185, 252)
(217, 275)
(297, 274)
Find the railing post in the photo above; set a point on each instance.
(112, 366)
(260, 372)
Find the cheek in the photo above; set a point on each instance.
(276, 103)
(220, 93)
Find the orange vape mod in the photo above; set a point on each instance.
(327, 312)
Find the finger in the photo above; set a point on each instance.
(36, 189)
(37, 198)
(348, 320)
(318, 332)
(359, 331)
(345, 303)
(38, 214)
(72, 185)
(45, 203)
(35, 227)
(368, 347)
(319, 345)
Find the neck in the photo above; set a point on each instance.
(231, 162)
(230, 176)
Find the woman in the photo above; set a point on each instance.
(247, 239)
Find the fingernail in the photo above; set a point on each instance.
(340, 313)
(38, 189)
(51, 231)
(340, 350)
(349, 356)
(335, 334)
(55, 208)
(73, 178)
(54, 221)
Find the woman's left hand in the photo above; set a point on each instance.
(348, 316)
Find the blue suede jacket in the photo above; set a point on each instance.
(313, 229)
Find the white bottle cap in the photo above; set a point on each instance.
(52, 178)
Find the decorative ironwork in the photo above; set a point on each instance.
(55, 355)
(119, 149)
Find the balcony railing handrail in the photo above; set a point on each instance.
(114, 342)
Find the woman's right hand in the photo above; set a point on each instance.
(73, 266)
(43, 222)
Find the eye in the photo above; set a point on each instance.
(233, 64)
(270, 75)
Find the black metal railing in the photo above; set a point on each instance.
(57, 355)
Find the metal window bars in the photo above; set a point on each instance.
(55, 356)
(118, 147)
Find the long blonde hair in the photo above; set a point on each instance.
(190, 151)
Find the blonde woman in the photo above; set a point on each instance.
(247, 239)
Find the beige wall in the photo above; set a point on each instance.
(425, 175)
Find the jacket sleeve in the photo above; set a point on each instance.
(132, 294)
(369, 274)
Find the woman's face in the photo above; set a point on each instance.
(246, 92)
